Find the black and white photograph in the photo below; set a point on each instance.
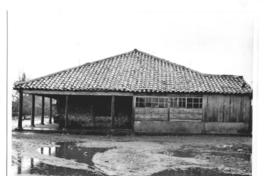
(131, 88)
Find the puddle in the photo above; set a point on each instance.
(65, 150)
(193, 172)
(183, 153)
(128, 159)
(68, 150)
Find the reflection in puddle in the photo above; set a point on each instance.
(69, 151)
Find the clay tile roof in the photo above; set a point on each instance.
(137, 71)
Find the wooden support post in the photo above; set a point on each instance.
(33, 111)
(93, 115)
(250, 120)
(50, 117)
(169, 100)
(133, 112)
(19, 163)
(43, 110)
(20, 113)
(66, 112)
(205, 109)
(113, 111)
(31, 163)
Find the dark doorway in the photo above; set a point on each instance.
(123, 112)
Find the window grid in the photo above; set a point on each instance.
(182, 102)
(153, 102)
(175, 102)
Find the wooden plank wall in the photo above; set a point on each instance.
(185, 114)
(159, 114)
(226, 108)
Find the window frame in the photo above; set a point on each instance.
(151, 102)
(186, 102)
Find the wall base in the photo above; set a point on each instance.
(190, 127)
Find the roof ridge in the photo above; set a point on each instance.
(111, 57)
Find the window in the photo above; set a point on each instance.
(163, 102)
(175, 102)
(155, 103)
(140, 102)
(182, 102)
(148, 102)
(195, 102)
(189, 103)
(151, 102)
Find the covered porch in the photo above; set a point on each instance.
(80, 112)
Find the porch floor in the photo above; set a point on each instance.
(26, 124)
(54, 128)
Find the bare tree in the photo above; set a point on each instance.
(15, 96)
(27, 101)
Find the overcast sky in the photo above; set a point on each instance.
(209, 36)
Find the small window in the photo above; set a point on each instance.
(148, 102)
(163, 102)
(200, 104)
(189, 103)
(174, 103)
(182, 102)
(140, 102)
(155, 102)
(195, 102)
(196, 105)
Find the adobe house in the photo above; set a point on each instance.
(144, 94)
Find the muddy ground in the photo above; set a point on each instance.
(61, 154)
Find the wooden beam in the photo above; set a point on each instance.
(168, 104)
(42, 110)
(99, 93)
(33, 111)
(66, 112)
(31, 163)
(205, 108)
(250, 120)
(93, 115)
(119, 93)
(113, 111)
(133, 112)
(50, 116)
(20, 113)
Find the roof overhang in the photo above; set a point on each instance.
(117, 93)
